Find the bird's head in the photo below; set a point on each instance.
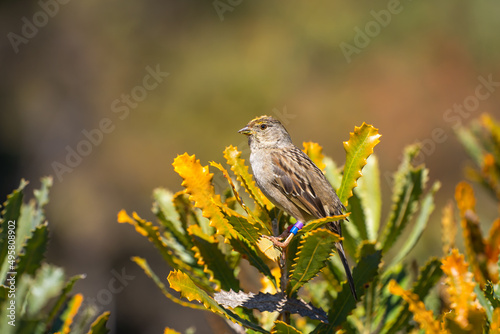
(266, 131)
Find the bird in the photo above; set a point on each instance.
(292, 182)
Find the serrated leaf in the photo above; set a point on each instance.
(318, 223)
(460, 286)
(255, 220)
(34, 251)
(449, 228)
(266, 302)
(408, 186)
(269, 249)
(212, 260)
(11, 212)
(364, 273)
(70, 313)
(147, 269)
(429, 276)
(99, 325)
(315, 152)
(427, 207)
(249, 253)
(247, 230)
(369, 194)
(474, 243)
(282, 328)
(492, 297)
(56, 309)
(151, 232)
(233, 158)
(198, 184)
(48, 284)
(422, 316)
(314, 249)
(358, 148)
(182, 283)
(165, 211)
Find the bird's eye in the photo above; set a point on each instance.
(263, 126)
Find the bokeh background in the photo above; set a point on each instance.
(228, 61)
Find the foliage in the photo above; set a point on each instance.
(205, 237)
(35, 296)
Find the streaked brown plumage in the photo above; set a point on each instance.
(289, 178)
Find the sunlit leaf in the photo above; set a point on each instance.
(495, 322)
(474, 243)
(314, 249)
(282, 328)
(233, 158)
(449, 228)
(422, 316)
(70, 313)
(358, 148)
(99, 325)
(147, 269)
(182, 283)
(315, 152)
(151, 231)
(460, 286)
(170, 331)
(198, 184)
(429, 276)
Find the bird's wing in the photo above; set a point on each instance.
(292, 178)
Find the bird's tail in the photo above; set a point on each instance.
(350, 280)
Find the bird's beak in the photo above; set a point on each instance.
(246, 131)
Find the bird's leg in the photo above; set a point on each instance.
(288, 234)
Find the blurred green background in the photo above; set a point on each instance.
(63, 67)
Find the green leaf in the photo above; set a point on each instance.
(147, 269)
(10, 213)
(358, 148)
(250, 254)
(364, 273)
(213, 261)
(165, 210)
(48, 284)
(34, 252)
(246, 229)
(369, 193)
(429, 276)
(150, 231)
(471, 144)
(314, 249)
(99, 325)
(420, 224)
(63, 296)
(490, 294)
(182, 283)
(408, 186)
(332, 172)
(282, 328)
